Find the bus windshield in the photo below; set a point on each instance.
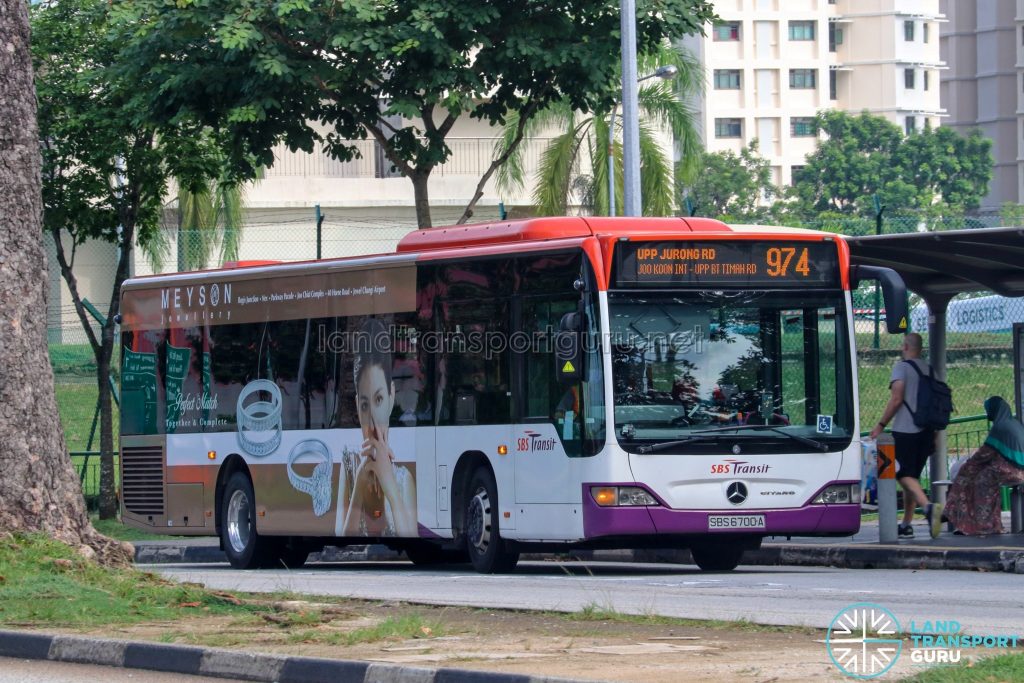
(764, 371)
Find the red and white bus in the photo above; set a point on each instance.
(541, 384)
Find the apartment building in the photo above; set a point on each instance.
(771, 65)
(983, 42)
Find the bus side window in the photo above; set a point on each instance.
(475, 368)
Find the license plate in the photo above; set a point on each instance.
(726, 522)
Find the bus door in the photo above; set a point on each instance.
(474, 391)
(552, 424)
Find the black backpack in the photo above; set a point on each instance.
(934, 400)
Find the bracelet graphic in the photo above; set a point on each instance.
(259, 422)
(318, 486)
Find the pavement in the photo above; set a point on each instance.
(1002, 553)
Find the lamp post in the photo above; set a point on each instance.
(663, 72)
(630, 119)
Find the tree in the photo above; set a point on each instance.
(104, 173)
(207, 220)
(39, 490)
(865, 155)
(583, 143)
(729, 186)
(399, 71)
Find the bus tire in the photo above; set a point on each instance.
(243, 546)
(488, 552)
(716, 557)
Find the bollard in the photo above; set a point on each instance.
(886, 488)
(1017, 509)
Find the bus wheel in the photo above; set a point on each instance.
(243, 546)
(716, 557)
(487, 550)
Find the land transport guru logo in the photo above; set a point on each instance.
(864, 641)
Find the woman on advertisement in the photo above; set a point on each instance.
(381, 500)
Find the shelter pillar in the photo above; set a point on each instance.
(938, 464)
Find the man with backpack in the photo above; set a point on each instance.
(913, 429)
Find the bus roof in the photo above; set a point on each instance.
(516, 235)
(545, 229)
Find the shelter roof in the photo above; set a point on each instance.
(941, 264)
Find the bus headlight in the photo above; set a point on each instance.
(621, 496)
(841, 494)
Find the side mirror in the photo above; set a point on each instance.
(569, 356)
(894, 294)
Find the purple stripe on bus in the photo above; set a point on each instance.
(424, 532)
(642, 521)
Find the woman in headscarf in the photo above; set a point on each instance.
(973, 504)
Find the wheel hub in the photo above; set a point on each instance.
(238, 521)
(478, 527)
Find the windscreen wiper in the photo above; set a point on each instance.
(696, 436)
(813, 443)
(705, 433)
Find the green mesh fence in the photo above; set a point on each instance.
(979, 346)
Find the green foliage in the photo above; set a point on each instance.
(865, 155)
(582, 143)
(729, 186)
(399, 71)
(1012, 215)
(1004, 667)
(104, 171)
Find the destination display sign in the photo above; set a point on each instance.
(736, 263)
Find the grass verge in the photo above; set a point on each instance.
(1008, 667)
(44, 583)
(597, 613)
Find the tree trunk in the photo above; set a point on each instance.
(39, 489)
(421, 193)
(108, 494)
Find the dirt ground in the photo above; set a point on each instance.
(592, 646)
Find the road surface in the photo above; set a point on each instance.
(983, 603)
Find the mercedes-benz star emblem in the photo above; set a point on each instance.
(736, 493)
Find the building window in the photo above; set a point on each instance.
(835, 36)
(832, 78)
(728, 128)
(803, 79)
(908, 79)
(728, 30)
(727, 79)
(908, 30)
(909, 125)
(924, 32)
(801, 30)
(802, 127)
(794, 174)
(924, 82)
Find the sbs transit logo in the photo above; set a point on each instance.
(864, 640)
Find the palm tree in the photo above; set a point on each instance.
(574, 165)
(209, 220)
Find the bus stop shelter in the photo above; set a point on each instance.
(939, 265)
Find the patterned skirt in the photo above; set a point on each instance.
(973, 504)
